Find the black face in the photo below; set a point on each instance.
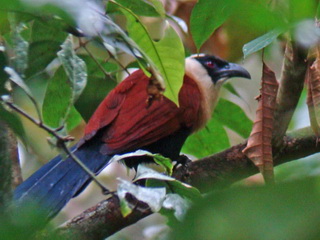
(221, 69)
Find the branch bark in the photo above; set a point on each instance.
(291, 86)
(5, 169)
(219, 170)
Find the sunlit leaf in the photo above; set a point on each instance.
(158, 7)
(260, 42)
(213, 138)
(166, 163)
(167, 54)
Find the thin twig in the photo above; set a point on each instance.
(83, 45)
(61, 142)
(118, 62)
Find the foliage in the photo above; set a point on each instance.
(77, 54)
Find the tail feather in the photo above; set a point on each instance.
(54, 184)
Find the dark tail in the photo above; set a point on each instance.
(54, 184)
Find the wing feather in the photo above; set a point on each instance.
(127, 122)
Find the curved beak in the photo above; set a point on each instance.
(233, 70)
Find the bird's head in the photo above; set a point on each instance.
(210, 72)
(216, 68)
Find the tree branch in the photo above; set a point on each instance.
(291, 86)
(219, 170)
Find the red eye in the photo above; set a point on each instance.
(210, 64)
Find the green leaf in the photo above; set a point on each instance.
(231, 89)
(207, 141)
(139, 7)
(299, 169)
(6, 7)
(75, 68)
(57, 106)
(14, 77)
(13, 122)
(300, 10)
(207, 16)
(261, 42)
(291, 210)
(232, 116)
(46, 37)
(3, 74)
(96, 90)
(166, 163)
(166, 56)
(20, 48)
(157, 4)
(178, 204)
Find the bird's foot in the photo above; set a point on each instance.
(184, 161)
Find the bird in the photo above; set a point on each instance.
(128, 120)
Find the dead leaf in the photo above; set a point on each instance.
(259, 149)
(313, 98)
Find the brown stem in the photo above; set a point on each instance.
(291, 86)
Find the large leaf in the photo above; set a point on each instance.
(209, 140)
(299, 10)
(207, 16)
(5, 8)
(167, 55)
(97, 88)
(233, 117)
(284, 211)
(46, 38)
(57, 106)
